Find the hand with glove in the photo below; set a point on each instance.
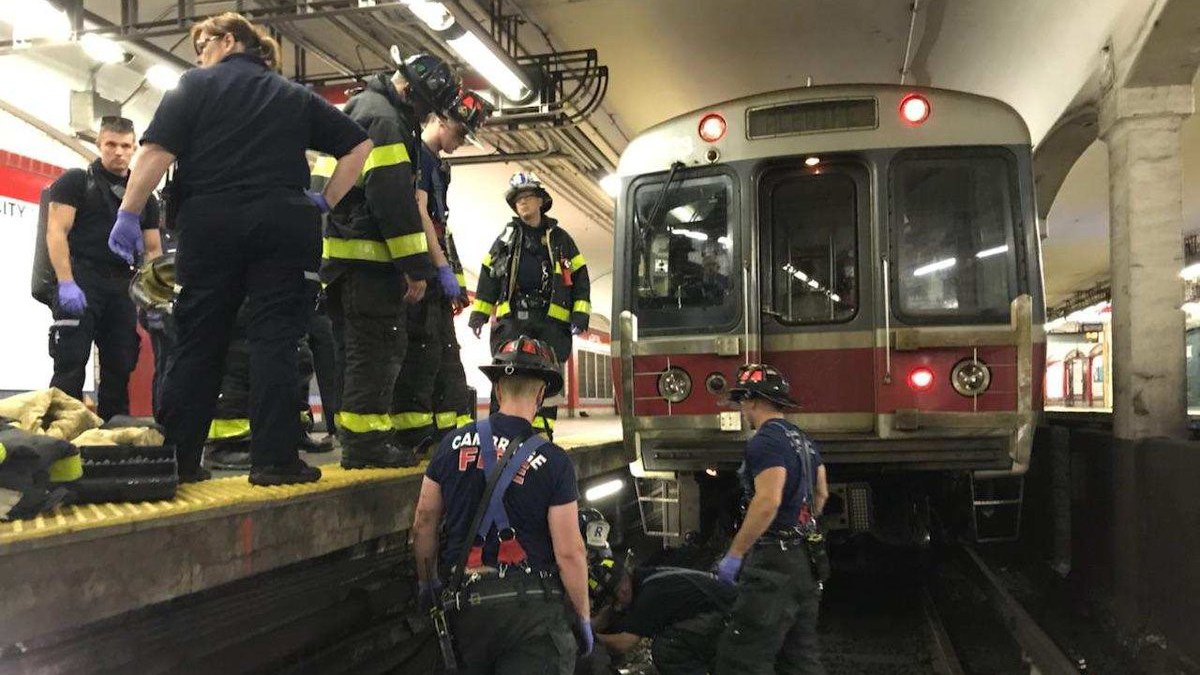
(318, 200)
(586, 637)
(450, 285)
(427, 594)
(125, 239)
(727, 569)
(476, 322)
(576, 329)
(71, 299)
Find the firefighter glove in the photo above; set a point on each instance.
(727, 569)
(576, 329)
(476, 322)
(318, 200)
(71, 299)
(126, 237)
(450, 285)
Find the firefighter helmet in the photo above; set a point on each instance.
(763, 381)
(430, 78)
(153, 287)
(595, 528)
(471, 111)
(529, 357)
(526, 182)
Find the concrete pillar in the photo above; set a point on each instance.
(1141, 128)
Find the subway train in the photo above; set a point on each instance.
(878, 244)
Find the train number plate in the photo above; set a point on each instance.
(731, 421)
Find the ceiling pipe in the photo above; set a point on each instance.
(46, 128)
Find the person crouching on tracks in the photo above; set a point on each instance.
(773, 626)
(535, 279)
(514, 560)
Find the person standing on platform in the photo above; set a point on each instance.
(247, 232)
(93, 283)
(535, 280)
(526, 555)
(376, 258)
(432, 396)
(773, 626)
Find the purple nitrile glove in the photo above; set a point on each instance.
(587, 638)
(71, 299)
(448, 281)
(727, 569)
(125, 239)
(318, 200)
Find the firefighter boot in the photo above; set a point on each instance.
(385, 456)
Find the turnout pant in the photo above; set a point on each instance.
(688, 647)
(262, 248)
(537, 325)
(773, 626)
(370, 322)
(431, 395)
(110, 321)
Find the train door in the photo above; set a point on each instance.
(814, 228)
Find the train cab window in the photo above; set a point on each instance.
(683, 265)
(813, 221)
(953, 226)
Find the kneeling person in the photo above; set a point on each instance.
(526, 557)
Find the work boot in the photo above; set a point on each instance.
(310, 444)
(284, 474)
(230, 457)
(200, 474)
(386, 456)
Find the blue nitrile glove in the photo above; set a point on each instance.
(587, 639)
(727, 569)
(71, 299)
(126, 237)
(427, 594)
(449, 282)
(318, 200)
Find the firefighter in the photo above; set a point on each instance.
(377, 259)
(432, 395)
(773, 625)
(93, 303)
(535, 280)
(247, 232)
(527, 556)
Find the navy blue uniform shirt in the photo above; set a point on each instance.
(238, 125)
(547, 479)
(435, 181)
(96, 201)
(779, 443)
(667, 595)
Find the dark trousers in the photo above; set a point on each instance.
(688, 647)
(773, 626)
(431, 395)
(110, 321)
(370, 322)
(263, 248)
(529, 635)
(539, 326)
(160, 326)
(327, 366)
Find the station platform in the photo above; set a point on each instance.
(89, 562)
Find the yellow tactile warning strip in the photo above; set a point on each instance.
(212, 494)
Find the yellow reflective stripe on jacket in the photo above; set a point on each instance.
(462, 279)
(502, 309)
(462, 420)
(324, 166)
(361, 424)
(3, 453)
(540, 422)
(483, 307)
(411, 420)
(386, 155)
(582, 306)
(558, 312)
(225, 429)
(67, 469)
(578, 263)
(445, 420)
(408, 244)
(487, 260)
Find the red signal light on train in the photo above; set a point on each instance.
(712, 127)
(915, 109)
(920, 379)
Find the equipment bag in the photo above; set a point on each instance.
(34, 471)
(44, 283)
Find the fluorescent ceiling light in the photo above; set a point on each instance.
(102, 49)
(835, 297)
(611, 184)
(603, 490)
(684, 214)
(162, 76)
(935, 267)
(690, 234)
(33, 19)
(725, 241)
(1191, 272)
(489, 65)
(813, 283)
(989, 252)
(434, 14)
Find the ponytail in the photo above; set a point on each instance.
(254, 39)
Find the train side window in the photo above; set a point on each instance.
(814, 232)
(953, 227)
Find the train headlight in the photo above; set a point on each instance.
(674, 385)
(712, 127)
(914, 109)
(971, 377)
(920, 379)
(715, 384)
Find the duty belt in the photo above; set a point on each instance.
(530, 302)
(486, 589)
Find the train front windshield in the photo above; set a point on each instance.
(684, 263)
